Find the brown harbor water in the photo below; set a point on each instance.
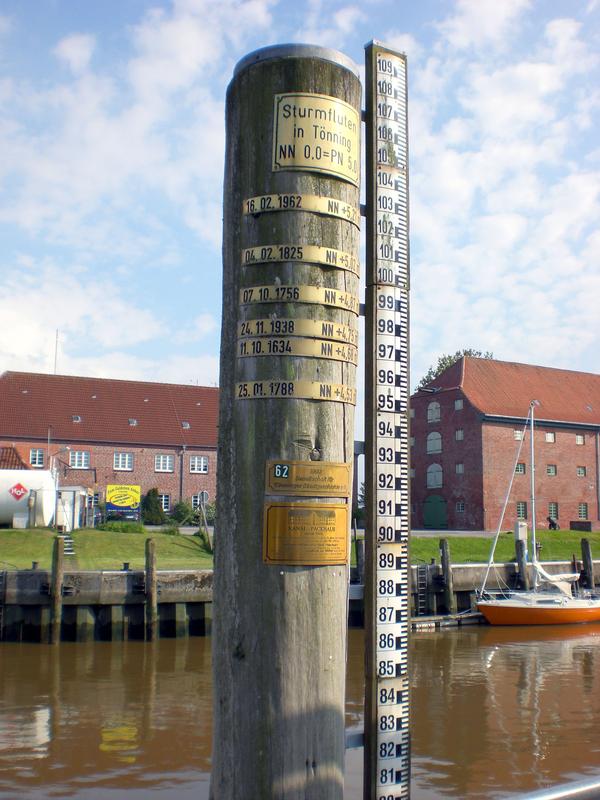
(495, 712)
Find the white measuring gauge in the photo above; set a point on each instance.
(392, 393)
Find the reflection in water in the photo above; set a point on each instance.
(494, 711)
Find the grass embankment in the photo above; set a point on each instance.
(95, 549)
(556, 546)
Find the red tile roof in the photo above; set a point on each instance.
(504, 388)
(31, 403)
(10, 459)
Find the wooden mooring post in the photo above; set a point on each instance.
(449, 596)
(151, 592)
(286, 436)
(56, 582)
(521, 551)
(588, 564)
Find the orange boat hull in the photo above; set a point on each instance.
(498, 614)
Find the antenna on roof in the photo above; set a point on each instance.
(55, 350)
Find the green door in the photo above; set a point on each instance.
(434, 512)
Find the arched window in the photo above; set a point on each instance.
(434, 476)
(433, 412)
(434, 442)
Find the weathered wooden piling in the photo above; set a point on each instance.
(521, 549)
(151, 591)
(588, 564)
(56, 582)
(290, 271)
(448, 582)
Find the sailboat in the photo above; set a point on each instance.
(551, 601)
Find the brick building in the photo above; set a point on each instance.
(98, 432)
(466, 427)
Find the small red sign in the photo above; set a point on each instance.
(18, 491)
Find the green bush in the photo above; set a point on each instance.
(183, 513)
(170, 530)
(121, 527)
(152, 512)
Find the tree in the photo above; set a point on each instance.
(447, 360)
(152, 511)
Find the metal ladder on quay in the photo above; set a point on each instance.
(422, 590)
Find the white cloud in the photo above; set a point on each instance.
(76, 51)
(481, 23)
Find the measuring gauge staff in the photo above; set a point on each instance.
(392, 778)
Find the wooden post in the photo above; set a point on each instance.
(286, 426)
(151, 592)
(520, 547)
(449, 596)
(588, 563)
(58, 557)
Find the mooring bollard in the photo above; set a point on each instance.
(588, 564)
(151, 592)
(521, 549)
(288, 375)
(56, 582)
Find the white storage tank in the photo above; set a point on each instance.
(16, 486)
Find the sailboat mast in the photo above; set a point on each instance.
(532, 450)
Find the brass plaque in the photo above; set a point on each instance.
(318, 133)
(304, 253)
(329, 206)
(307, 534)
(297, 346)
(290, 390)
(308, 478)
(279, 293)
(283, 326)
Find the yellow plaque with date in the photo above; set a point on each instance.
(308, 478)
(280, 293)
(292, 390)
(329, 206)
(306, 534)
(318, 133)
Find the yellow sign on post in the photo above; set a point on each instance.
(308, 478)
(305, 534)
(318, 133)
(122, 496)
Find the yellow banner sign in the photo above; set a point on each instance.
(300, 294)
(318, 133)
(292, 390)
(298, 346)
(308, 534)
(329, 206)
(317, 328)
(308, 478)
(307, 253)
(123, 496)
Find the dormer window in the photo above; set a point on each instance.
(132, 422)
(76, 418)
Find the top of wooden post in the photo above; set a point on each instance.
(295, 51)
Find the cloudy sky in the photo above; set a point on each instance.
(111, 162)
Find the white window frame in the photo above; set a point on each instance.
(460, 506)
(521, 509)
(580, 438)
(36, 457)
(459, 434)
(582, 511)
(163, 462)
(459, 404)
(517, 435)
(79, 459)
(553, 509)
(459, 468)
(434, 436)
(434, 412)
(520, 468)
(199, 465)
(581, 472)
(551, 470)
(122, 461)
(550, 437)
(165, 502)
(412, 413)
